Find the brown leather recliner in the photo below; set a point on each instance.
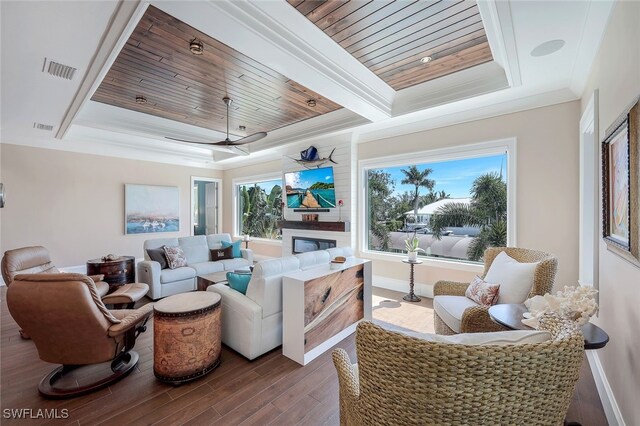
(69, 324)
(36, 260)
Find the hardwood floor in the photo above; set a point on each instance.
(269, 390)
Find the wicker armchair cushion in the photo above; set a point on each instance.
(500, 338)
(482, 292)
(515, 278)
(451, 308)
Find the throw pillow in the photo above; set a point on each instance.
(236, 247)
(515, 278)
(158, 255)
(238, 282)
(220, 254)
(482, 292)
(175, 257)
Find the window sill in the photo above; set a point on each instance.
(477, 268)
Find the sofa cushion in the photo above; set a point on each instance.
(265, 287)
(221, 253)
(204, 268)
(158, 255)
(195, 248)
(175, 257)
(238, 282)
(215, 240)
(312, 259)
(515, 278)
(233, 264)
(340, 251)
(235, 245)
(451, 308)
(171, 275)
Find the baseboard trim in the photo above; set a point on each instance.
(402, 286)
(611, 409)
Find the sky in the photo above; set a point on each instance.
(305, 178)
(454, 177)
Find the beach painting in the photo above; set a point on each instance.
(151, 208)
(313, 188)
(619, 187)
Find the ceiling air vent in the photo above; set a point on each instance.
(57, 69)
(40, 126)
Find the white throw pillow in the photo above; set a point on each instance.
(515, 278)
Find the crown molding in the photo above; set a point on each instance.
(498, 25)
(478, 80)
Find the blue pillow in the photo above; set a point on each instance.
(236, 247)
(238, 282)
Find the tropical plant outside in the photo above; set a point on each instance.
(260, 206)
(474, 218)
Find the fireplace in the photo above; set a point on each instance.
(305, 244)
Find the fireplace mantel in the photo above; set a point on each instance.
(315, 226)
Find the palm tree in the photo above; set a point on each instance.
(432, 197)
(487, 210)
(417, 178)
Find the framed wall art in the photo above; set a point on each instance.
(151, 208)
(620, 185)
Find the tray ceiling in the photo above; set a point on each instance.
(391, 38)
(156, 63)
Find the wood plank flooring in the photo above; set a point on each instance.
(269, 390)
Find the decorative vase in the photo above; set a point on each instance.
(412, 256)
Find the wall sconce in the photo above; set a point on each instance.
(2, 196)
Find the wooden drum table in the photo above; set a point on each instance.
(186, 336)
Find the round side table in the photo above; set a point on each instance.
(411, 297)
(116, 272)
(186, 336)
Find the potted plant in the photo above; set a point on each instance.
(412, 246)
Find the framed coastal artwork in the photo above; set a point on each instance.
(620, 185)
(151, 208)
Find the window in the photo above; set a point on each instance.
(455, 203)
(259, 207)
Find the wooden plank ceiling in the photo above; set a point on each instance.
(156, 63)
(390, 37)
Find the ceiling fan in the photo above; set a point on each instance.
(228, 142)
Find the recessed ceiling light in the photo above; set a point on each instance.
(196, 47)
(426, 59)
(242, 128)
(547, 48)
(311, 103)
(141, 99)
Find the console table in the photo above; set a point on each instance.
(321, 306)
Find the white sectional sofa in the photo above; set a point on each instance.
(165, 282)
(252, 323)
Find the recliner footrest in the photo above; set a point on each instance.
(128, 293)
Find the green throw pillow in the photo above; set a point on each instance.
(238, 282)
(236, 247)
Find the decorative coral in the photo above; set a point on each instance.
(576, 303)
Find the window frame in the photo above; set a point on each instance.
(481, 149)
(235, 183)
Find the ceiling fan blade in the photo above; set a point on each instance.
(239, 150)
(248, 139)
(188, 141)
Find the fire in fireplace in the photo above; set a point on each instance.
(304, 244)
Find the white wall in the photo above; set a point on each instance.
(73, 204)
(616, 73)
(546, 175)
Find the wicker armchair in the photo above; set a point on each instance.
(404, 380)
(476, 319)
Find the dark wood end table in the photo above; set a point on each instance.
(510, 316)
(116, 272)
(411, 297)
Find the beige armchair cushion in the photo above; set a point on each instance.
(451, 308)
